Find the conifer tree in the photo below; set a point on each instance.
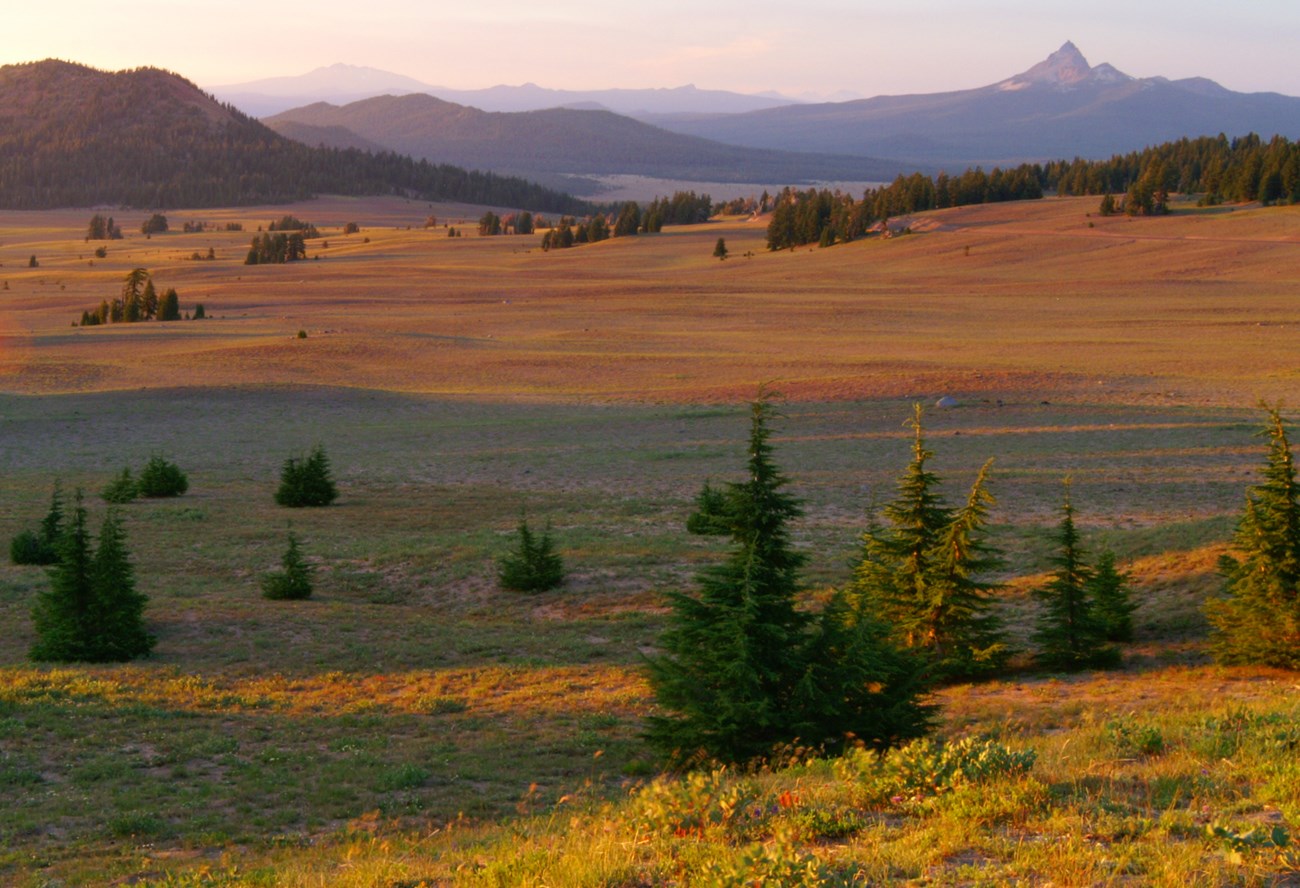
(293, 581)
(91, 611)
(41, 547)
(122, 489)
(1112, 599)
(534, 565)
(743, 669)
(60, 612)
(733, 653)
(1068, 633)
(1257, 618)
(922, 571)
(307, 482)
(720, 249)
(116, 619)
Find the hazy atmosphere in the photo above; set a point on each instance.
(827, 48)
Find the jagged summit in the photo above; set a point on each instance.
(1064, 69)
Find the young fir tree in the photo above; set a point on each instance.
(41, 547)
(534, 565)
(1068, 633)
(922, 571)
(122, 489)
(1112, 598)
(307, 482)
(293, 581)
(116, 618)
(743, 670)
(91, 611)
(1257, 619)
(160, 477)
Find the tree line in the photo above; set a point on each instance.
(1218, 168)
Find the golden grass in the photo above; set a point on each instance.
(1029, 301)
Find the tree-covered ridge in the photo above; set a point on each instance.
(74, 136)
(1243, 169)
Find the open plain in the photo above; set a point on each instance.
(413, 723)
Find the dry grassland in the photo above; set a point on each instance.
(1019, 301)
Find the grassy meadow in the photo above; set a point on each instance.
(413, 723)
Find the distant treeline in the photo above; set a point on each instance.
(1220, 169)
(71, 136)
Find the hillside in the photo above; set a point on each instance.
(1060, 108)
(71, 135)
(565, 141)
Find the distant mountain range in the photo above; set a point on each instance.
(1059, 109)
(341, 84)
(542, 145)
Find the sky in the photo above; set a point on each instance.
(822, 47)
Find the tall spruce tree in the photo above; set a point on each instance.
(1068, 632)
(743, 670)
(1257, 619)
(733, 654)
(924, 570)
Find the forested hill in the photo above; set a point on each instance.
(75, 136)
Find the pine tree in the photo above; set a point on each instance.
(720, 249)
(534, 565)
(60, 612)
(91, 611)
(1112, 600)
(734, 654)
(41, 547)
(116, 617)
(861, 687)
(169, 309)
(1068, 633)
(744, 671)
(921, 570)
(293, 581)
(307, 482)
(1257, 619)
(122, 489)
(161, 478)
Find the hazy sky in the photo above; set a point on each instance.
(823, 46)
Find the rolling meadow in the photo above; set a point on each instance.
(413, 723)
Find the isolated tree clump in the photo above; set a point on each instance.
(293, 581)
(155, 224)
(720, 249)
(41, 546)
(1257, 618)
(306, 481)
(91, 611)
(161, 478)
(1070, 633)
(744, 671)
(925, 571)
(533, 565)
